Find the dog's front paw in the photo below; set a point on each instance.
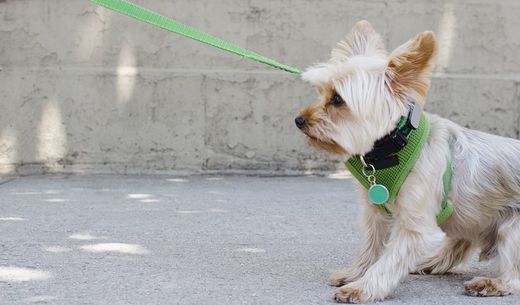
(350, 295)
(484, 287)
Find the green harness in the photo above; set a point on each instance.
(393, 177)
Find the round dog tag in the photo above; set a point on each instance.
(378, 194)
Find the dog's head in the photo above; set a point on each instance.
(363, 91)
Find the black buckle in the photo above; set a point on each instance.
(385, 162)
(388, 145)
(399, 140)
(383, 155)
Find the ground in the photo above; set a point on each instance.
(192, 240)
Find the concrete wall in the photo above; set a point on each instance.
(86, 90)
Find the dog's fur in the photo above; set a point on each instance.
(485, 188)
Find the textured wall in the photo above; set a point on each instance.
(84, 89)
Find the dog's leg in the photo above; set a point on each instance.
(452, 253)
(374, 229)
(405, 249)
(509, 261)
(413, 234)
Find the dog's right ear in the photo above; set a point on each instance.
(409, 67)
(362, 40)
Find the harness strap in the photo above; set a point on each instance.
(393, 177)
(447, 205)
(142, 14)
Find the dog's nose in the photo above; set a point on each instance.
(300, 122)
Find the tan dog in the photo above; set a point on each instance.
(363, 94)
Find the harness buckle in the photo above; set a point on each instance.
(399, 140)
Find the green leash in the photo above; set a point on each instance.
(142, 14)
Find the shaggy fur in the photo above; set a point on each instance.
(375, 89)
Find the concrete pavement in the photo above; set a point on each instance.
(191, 240)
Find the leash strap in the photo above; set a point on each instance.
(147, 16)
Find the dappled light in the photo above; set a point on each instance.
(139, 196)
(14, 274)
(26, 193)
(116, 248)
(446, 33)
(126, 74)
(54, 200)
(52, 141)
(11, 218)
(53, 192)
(178, 180)
(144, 198)
(149, 200)
(85, 236)
(202, 211)
(56, 249)
(189, 211)
(251, 250)
(8, 150)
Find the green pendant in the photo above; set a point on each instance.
(378, 194)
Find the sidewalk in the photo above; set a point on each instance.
(194, 240)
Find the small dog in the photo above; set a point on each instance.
(363, 94)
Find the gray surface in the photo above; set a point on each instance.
(83, 89)
(204, 240)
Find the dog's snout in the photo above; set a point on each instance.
(300, 122)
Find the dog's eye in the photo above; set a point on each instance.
(336, 100)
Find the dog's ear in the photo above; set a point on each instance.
(362, 40)
(409, 67)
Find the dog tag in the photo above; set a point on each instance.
(378, 194)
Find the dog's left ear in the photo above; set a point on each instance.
(409, 67)
(362, 40)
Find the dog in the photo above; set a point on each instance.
(363, 93)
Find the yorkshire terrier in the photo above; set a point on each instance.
(363, 94)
